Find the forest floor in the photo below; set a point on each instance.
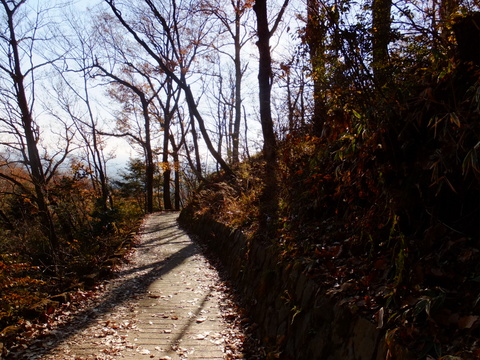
(166, 302)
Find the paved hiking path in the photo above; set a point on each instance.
(166, 303)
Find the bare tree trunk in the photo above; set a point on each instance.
(265, 81)
(167, 171)
(169, 109)
(198, 165)
(33, 160)
(238, 90)
(315, 38)
(176, 166)
(149, 163)
(176, 162)
(381, 20)
(269, 198)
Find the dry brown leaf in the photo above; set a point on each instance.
(466, 322)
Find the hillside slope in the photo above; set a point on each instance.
(385, 215)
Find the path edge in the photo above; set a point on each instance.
(296, 318)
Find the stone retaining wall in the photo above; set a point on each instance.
(296, 318)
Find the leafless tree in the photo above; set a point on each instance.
(19, 63)
(144, 135)
(78, 64)
(149, 27)
(167, 110)
(233, 19)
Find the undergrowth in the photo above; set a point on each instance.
(383, 214)
(26, 278)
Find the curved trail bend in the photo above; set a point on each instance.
(166, 303)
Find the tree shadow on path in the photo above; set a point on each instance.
(116, 297)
